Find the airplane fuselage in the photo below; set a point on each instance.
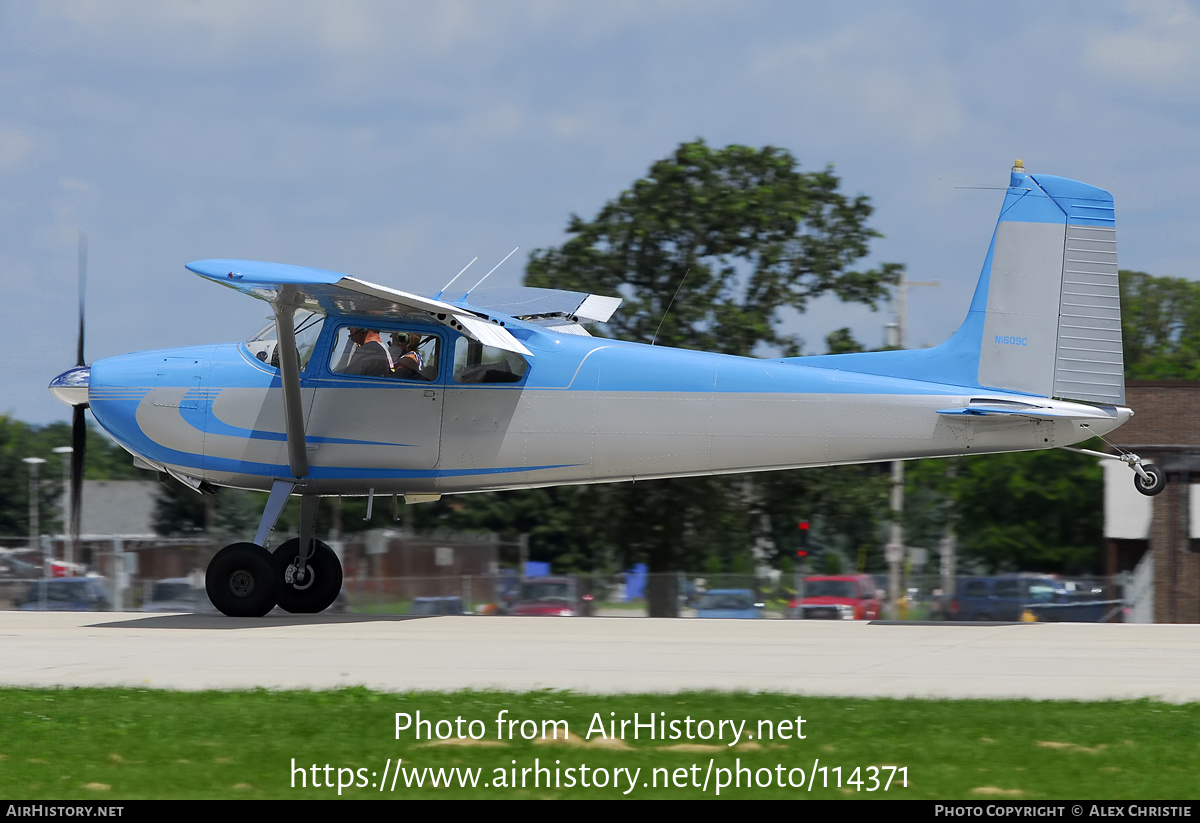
(586, 410)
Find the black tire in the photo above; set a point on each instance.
(323, 578)
(241, 580)
(1156, 482)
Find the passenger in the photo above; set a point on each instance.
(405, 349)
(372, 357)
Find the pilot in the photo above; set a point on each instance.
(408, 358)
(372, 357)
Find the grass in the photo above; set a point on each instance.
(123, 744)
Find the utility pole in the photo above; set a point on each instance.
(68, 539)
(894, 551)
(35, 527)
(949, 543)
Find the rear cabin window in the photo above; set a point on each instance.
(477, 363)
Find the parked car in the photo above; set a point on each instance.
(20, 563)
(177, 594)
(838, 597)
(1008, 597)
(546, 596)
(429, 606)
(736, 603)
(66, 594)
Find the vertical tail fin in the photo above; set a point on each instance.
(1049, 293)
(1046, 316)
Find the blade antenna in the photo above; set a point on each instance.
(455, 277)
(669, 305)
(489, 274)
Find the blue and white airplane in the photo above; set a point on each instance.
(507, 390)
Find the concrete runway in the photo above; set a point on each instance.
(603, 655)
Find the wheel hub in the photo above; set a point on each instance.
(299, 579)
(241, 583)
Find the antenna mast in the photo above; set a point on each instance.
(455, 277)
(489, 274)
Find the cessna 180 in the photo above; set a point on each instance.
(505, 389)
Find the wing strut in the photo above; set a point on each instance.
(284, 307)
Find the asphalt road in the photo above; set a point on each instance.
(602, 655)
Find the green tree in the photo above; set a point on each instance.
(846, 507)
(1023, 511)
(105, 460)
(842, 342)
(1160, 327)
(18, 441)
(552, 520)
(727, 239)
(708, 250)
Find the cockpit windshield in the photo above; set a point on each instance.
(265, 344)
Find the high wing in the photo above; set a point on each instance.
(526, 302)
(338, 294)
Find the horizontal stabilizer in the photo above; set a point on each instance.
(1052, 410)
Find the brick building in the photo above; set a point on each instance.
(1155, 538)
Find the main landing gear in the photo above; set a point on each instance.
(310, 588)
(302, 576)
(241, 580)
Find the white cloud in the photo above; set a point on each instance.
(396, 140)
(883, 70)
(1156, 51)
(16, 150)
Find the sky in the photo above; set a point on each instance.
(394, 141)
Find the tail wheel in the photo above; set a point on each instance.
(241, 580)
(1154, 481)
(320, 584)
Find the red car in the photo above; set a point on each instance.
(546, 596)
(838, 597)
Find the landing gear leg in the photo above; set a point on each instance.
(311, 572)
(243, 579)
(1148, 478)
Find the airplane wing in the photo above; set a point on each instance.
(338, 294)
(553, 309)
(528, 303)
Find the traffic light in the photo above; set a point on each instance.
(803, 550)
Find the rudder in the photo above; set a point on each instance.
(1052, 314)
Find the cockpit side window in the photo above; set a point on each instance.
(477, 363)
(402, 354)
(265, 344)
